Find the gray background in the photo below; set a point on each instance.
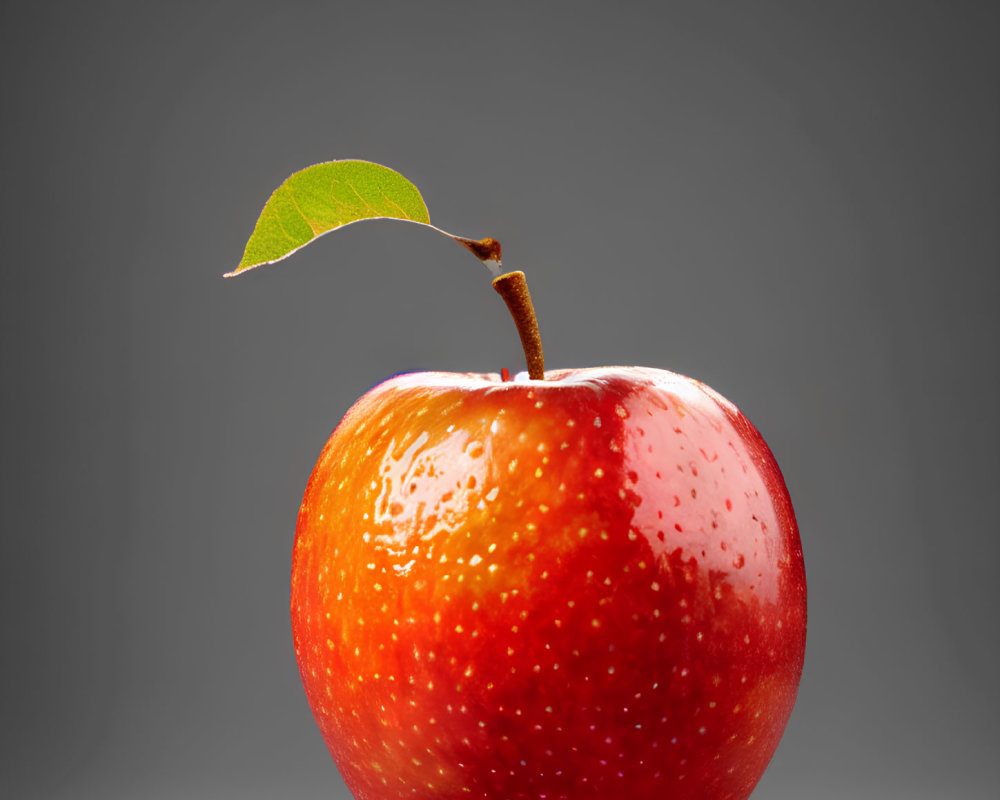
(797, 203)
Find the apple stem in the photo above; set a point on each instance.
(513, 288)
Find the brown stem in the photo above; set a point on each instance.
(487, 249)
(513, 288)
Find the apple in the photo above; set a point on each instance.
(574, 584)
(589, 585)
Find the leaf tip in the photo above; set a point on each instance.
(239, 270)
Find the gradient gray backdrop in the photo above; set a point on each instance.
(796, 202)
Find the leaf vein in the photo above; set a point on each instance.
(305, 219)
(351, 186)
(276, 216)
(392, 202)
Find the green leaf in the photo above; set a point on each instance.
(324, 197)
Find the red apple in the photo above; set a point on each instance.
(584, 586)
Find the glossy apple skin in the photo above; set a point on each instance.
(588, 586)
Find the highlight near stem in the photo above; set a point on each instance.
(513, 288)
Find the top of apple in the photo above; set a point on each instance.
(331, 195)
